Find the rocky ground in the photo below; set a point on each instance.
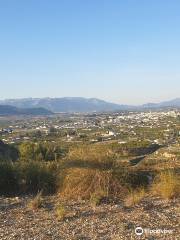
(82, 221)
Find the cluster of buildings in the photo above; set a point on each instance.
(119, 126)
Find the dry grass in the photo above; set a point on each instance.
(134, 197)
(166, 185)
(82, 183)
(95, 199)
(92, 154)
(89, 172)
(36, 202)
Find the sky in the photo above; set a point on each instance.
(126, 52)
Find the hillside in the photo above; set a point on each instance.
(171, 103)
(11, 110)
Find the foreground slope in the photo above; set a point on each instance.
(111, 221)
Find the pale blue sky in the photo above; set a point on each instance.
(122, 51)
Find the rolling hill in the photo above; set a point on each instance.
(6, 110)
(171, 103)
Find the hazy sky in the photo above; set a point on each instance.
(123, 51)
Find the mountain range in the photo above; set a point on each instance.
(45, 106)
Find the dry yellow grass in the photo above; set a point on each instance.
(134, 197)
(36, 202)
(166, 185)
(96, 198)
(60, 212)
(89, 172)
(82, 183)
(92, 153)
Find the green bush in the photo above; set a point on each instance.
(8, 179)
(26, 177)
(36, 176)
(8, 152)
(30, 151)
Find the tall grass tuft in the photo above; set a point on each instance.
(36, 202)
(166, 185)
(60, 212)
(134, 197)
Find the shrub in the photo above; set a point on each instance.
(30, 151)
(8, 152)
(28, 177)
(36, 176)
(8, 179)
(166, 185)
